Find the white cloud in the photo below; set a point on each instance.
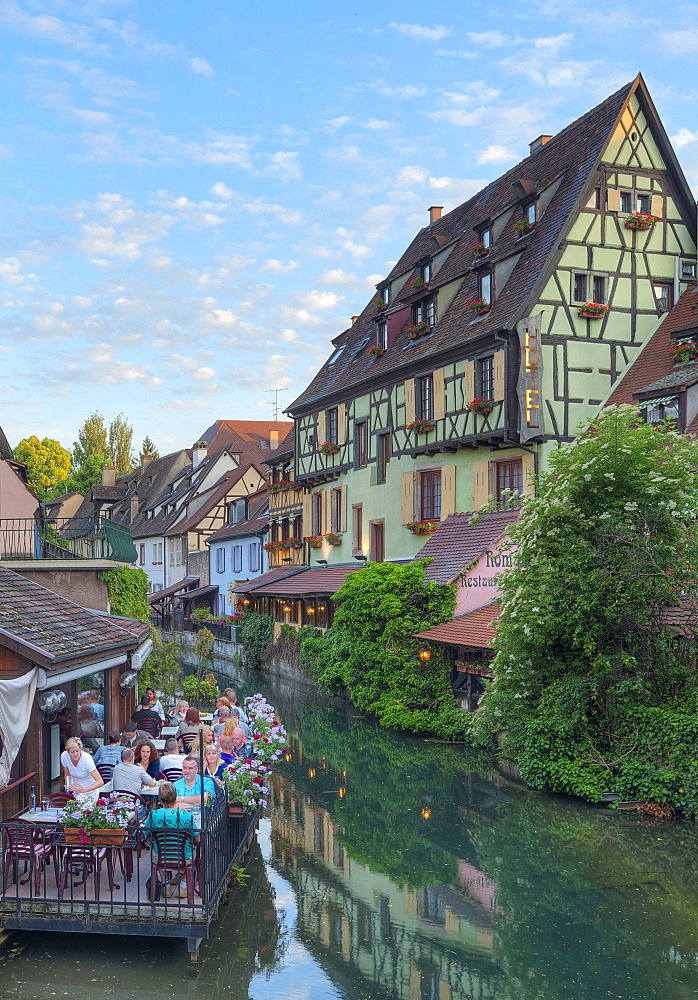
(680, 42)
(419, 31)
(683, 137)
(276, 267)
(47, 28)
(458, 116)
(319, 300)
(377, 123)
(407, 92)
(197, 64)
(334, 123)
(496, 154)
(222, 190)
(411, 175)
(455, 54)
(490, 39)
(288, 164)
(262, 207)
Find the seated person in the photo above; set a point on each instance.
(227, 750)
(148, 757)
(229, 693)
(110, 753)
(241, 747)
(155, 703)
(221, 702)
(131, 734)
(171, 757)
(168, 817)
(146, 712)
(192, 723)
(129, 777)
(209, 739)
(223, 714)
(189, 785)
(236, 716)
(213, 764)
(179, 713)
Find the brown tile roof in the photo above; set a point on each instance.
(654, 361)
(255, 523)
(457, 543)
(249, 438)
(51, 630)
(326, 580)
(271, 576)
(474, 629)
(215, 495)
(571, 157)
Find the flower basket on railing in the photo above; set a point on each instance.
(283, 484)
(482, 406)
(479, 306)
(685, 353)
(478, 251)
(522, 226)
(416, 285)
(314, 541)
(95, 821)
(422, 527)
(378, 306)
(420, 426)
(414, 330)
(640, 220)
(276, 546)
(328, 448)
(333, 538)
(376, 352)
(294, 543)
(245, 786)
(592, 310)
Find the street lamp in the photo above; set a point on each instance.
(424, 654)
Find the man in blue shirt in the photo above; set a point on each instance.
(110, 753)
(189, 785)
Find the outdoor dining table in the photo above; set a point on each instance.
(169, 730)
(42, 816)
(151, 792)
(158, 744)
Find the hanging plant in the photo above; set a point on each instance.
(378, 306)
(376, 352)
(415, 284)
(314, 541)
(479, 250)
(522, 226)
(333, 538)
(283, 484)
(685, 353)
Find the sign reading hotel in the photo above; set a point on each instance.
(477, 586)
(530, 384)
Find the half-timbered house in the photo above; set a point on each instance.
(502, 328)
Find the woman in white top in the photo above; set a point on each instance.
(81, 775)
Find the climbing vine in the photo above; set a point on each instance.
(127, 588)
(256, 634)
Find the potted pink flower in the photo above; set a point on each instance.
(422, 527)
(592, 310)
(420, 426)
(640, 220)
(328, 448)
(479, 306)
(482, 406)
(414, 330)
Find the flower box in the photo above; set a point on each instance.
(415, 330)
(237, 809)
(314, 541)
(376, 352)
(522, 227)
(333, 538)
(482, 406)
(283, 484)
(328, 448)
(378, 306)
(422, 527)
(95, 821)
(478, 251)
(592, 310)
(420, 426)
(416, 285)
(640, 220)
(684, 354)
(479, 306)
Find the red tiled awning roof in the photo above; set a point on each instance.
(457, 543)
(271, 576)
(325, 581)
(162, 595)
(474, 629)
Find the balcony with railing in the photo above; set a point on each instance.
(63, 538)
(286, 497)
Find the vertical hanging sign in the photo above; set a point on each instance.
(530, 384)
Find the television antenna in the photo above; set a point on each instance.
(275, 404)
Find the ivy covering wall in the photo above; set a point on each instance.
(127, 588)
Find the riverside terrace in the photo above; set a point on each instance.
(103, 888)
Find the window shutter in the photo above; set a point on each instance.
(324, 435)
(498, 375)
(410, 410)
(481, 484)
(528, 466)
(439, 394)
(469, 381)
(326, 511)
(407, 497)
(307, 514)
(343, 511)
(448, 491)
(657, 206)
(613, 200)
(342, 423)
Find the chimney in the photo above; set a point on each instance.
(435, 213)
(145, 462)
(273, 440)
(538, 143)
(134, 507)
(108, 475)
(200, 448)
(354, 319)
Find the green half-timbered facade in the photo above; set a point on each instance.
(501, 330)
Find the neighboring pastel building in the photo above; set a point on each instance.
(528, 302)
(237, 554)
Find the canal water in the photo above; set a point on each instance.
(400, 869)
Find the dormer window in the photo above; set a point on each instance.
(425, 272)
(485, 288)
(424, 311)
(486, 238)
(385, 295)
(382, 336)
(530, 213)
(657, 411)
(337, 355)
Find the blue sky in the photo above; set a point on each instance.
(195, 198)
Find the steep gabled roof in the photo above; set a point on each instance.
(214, 496)
(475, 629)
(254, 524)
(5, 450)
(565, 166)
(457, 543)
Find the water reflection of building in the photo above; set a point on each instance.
(430, 943)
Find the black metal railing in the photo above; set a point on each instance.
(52, 881)
(180, 623)
(65, 538)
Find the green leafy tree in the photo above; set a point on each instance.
(47, 461)
(121, 443)
(370, 650)
(163, 668)
(593, 689)
(92, 440)
(83, 479)
(148, 448)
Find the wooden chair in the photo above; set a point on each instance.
(59, 799)
(106, 770)
(172, 773)
(169, 857)
(90, 859)
(33, 846)
(187, 739)
(150, 726)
